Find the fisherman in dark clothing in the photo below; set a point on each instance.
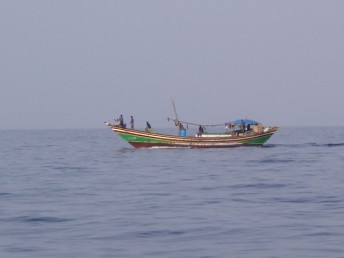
(200, 131)
(132, 122)
(243, 126)
(148, 127)
(121, 123)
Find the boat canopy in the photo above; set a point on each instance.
(245, 121)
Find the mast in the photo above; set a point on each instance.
(176, 120)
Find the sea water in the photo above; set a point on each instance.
(87, 193)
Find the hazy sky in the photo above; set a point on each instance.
(75, 64)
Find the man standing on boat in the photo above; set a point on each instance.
(132, 122)
(243, 126)
(121, 123)
(148, 128)
(182, 131)
(200, 131)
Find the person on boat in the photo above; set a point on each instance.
(121, 123)
(148, 127)
(243, 126)
(182, 131)
(132, 122)
(200, 131)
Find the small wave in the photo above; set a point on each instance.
(271, 145)
(41, 219)
(294, 200)
(69, 168)
(18, 249)
(303, 145)
(259, 185)
(4, 194)
(273, 160)
(313, 144)
(321, 234)
(159, 233)
(335, 144)
(126, 149)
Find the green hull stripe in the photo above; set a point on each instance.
(139, 139)
(132, 138)
(260, 140)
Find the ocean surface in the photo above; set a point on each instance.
(87, 193)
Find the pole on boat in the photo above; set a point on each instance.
(176, 121)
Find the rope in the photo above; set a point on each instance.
(188, 123)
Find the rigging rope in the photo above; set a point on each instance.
(188, 123)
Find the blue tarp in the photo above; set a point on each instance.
(245, 121)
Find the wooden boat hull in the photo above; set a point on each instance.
(142, 139)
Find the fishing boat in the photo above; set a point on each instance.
(242, 132)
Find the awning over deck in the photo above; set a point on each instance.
(245, 121)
